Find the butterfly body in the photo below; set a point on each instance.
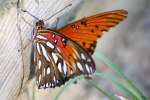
(66, 52)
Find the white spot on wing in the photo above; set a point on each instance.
(39, 78)
(83, 56)
(59, 67)
(65, 68)
(55, 40)
(71, 72)
(50, 45)
(39, 64)
(38, 48)
(47, 85)
(44, 70)
(41, 37)
(52, 84)
(58, 50)
(87, 68)
(91, 69)
(79, 66)
(57, 81)
(53, 35)
(41, 86)
(55, 57)
(54, 79)
(48, 70)
(45, 53)
(89, 60)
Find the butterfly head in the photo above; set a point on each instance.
(40, 24)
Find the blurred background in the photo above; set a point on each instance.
(127, 45)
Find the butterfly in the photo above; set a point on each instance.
(65, 53)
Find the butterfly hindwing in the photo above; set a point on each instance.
(86, 31)
(58, 59)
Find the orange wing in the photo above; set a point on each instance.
(86, 31)
(58, 59)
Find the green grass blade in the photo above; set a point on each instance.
(66, 86)
(33, 91)
(79, 78)
(119, 72)
(119, 86)
(102, 91)
(125, 90)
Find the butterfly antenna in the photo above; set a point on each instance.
(22, 10)
(30, 14)
(58, 12)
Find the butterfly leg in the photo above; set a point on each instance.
(25, 46)
(88, 77)
(19, 10)
(75, 82)
(29, 42)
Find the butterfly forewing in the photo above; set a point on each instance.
(66, 53)
(58, 59)
(86, 31)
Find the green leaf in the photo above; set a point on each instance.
(120, 87)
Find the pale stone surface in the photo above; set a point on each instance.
(14, 62)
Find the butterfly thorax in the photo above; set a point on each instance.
(39, 25)
(42, 33)
(40, 28)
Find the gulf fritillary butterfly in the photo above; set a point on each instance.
(66, 52)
